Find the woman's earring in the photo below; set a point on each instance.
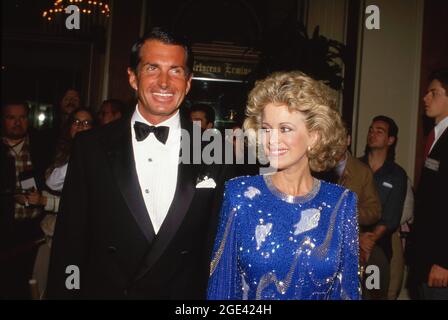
(309, 148)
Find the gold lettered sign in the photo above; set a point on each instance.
(222, 70)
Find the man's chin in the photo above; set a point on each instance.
(17, 136)
(69, 108)
(166, 112)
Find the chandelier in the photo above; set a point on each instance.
(93, 13)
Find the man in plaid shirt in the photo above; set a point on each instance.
(23, 157)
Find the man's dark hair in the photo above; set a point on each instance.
(442, 76)
(392, 131)
(348, 133)
(116, 105)
(14, 102)
(166, 37)
(62, 93)
(208, 111)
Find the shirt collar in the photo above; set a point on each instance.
(18, 146)
(173, 123)
(386, 167)
(340, 167)
(440, 128)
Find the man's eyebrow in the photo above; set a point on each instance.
(175, 66)
(377, 128)
(157, 65)
(149, 64)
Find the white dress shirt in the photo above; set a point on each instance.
(57, 177)
(340, 167)
(156, 165)
(439, 129)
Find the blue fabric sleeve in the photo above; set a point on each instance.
(225, 279)
(347, 284)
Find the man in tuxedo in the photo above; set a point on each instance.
(135, 222)
(430, 234)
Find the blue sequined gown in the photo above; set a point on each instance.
(273, 246)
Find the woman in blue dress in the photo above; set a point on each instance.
(287, 235)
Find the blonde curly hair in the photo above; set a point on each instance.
(315, 101)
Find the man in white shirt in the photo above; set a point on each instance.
(134, 220)
(430, 236)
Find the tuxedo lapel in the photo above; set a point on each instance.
(121, 156)
(185, 190)
(440, 145)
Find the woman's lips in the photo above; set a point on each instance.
(277, 152)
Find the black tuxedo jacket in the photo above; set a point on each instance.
(430, 234)
(104, 229)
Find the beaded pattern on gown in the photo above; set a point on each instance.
(272, 246)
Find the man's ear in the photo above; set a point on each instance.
(349, 140)
(189, 78)
(132, 79)
(391, 141)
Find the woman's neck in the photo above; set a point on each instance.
(295, 181)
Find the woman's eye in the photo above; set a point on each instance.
(285, 129)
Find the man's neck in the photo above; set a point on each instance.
(155, 119)
(440, 118)
(12, 141)
(376, 158)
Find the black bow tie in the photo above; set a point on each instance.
(142, 130)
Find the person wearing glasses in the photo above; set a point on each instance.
(79, 120)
